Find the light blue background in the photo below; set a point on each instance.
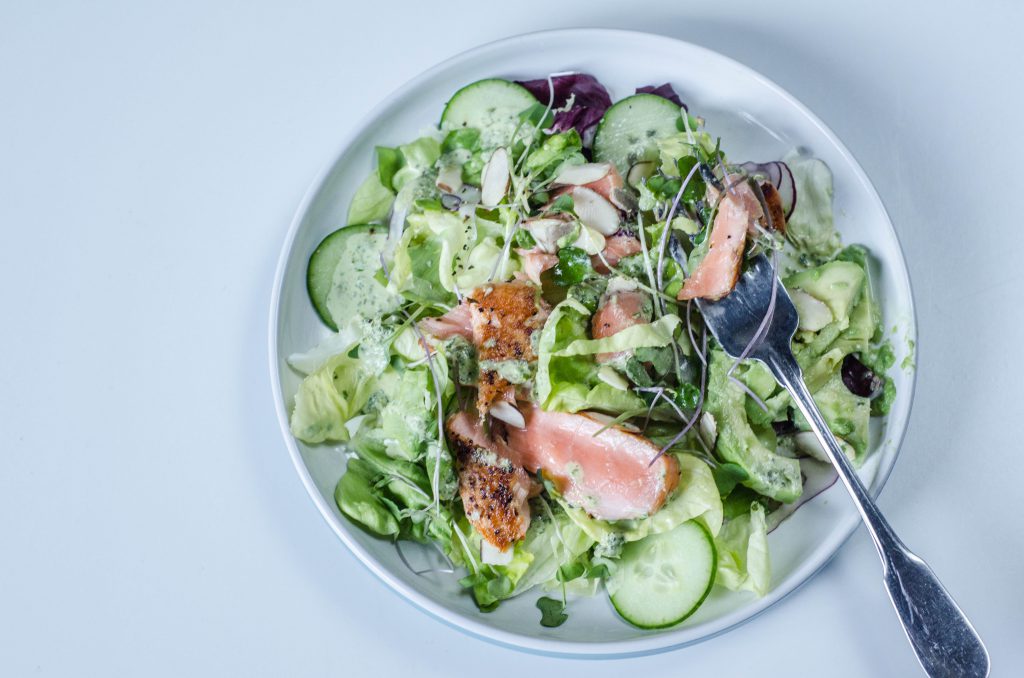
(151, 158)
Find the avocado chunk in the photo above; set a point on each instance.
(839, 284)
(768, 473)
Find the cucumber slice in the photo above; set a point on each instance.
(662, 579)
(491, 106)
(340, 276)
(630, 130)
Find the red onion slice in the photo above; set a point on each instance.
(780, 176)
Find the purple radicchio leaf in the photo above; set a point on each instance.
(589, 101)
(665, 92)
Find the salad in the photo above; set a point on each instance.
(518, 375)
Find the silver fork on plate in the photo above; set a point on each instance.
(943, 638)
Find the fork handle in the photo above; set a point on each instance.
(943, 638)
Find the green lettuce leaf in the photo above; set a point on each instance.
(811, 228)
(333, 344)
(328, 398)
(738, 442)
(441, 250)
(410, 416)
(645, 335)
(372, 202)
(357, 498)
(424, 258)
(389, 161)
(417, 157)
(742, 545)
(552, 540)
(556, 150)
(566, 371)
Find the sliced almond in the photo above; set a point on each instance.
(507, 412)
(580, 175)
(449, 179)
(814, 314)
(547, 231)
(589, 240)
(492, 555)
(595, 211)
(708, 428)
(494, 178)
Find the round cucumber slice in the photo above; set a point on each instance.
(491, 106)
(340, 276)
(630, 130)
(662, 579)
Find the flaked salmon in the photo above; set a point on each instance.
(717, 272)
(609, 475)
(457, 321)
(616, 248)
(535, 261)
(617, 310)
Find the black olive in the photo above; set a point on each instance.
(859, 378)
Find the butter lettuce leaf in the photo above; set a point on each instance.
(372, 202)
(743, 563)
(566, 371)
(328, 398)
(811, 228)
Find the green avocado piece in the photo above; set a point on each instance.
(768, 473)
(838, 284)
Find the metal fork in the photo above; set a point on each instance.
(943, 638)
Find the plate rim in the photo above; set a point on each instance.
(643, 645)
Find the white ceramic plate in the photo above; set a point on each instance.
(757, 121)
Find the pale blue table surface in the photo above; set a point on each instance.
(151, 157)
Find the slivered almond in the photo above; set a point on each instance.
(494, 178)
(595, 211)
(449, 179)
(547, 231)
(507, 412)
(492, 555)
(579, 175)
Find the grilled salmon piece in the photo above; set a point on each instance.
(610, 475)
(457, 321)
(504, 318)
(535, 262)
(716, 274)
(616, 248)
(495, 491)
(616, 311)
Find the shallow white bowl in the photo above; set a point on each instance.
(757, 120)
